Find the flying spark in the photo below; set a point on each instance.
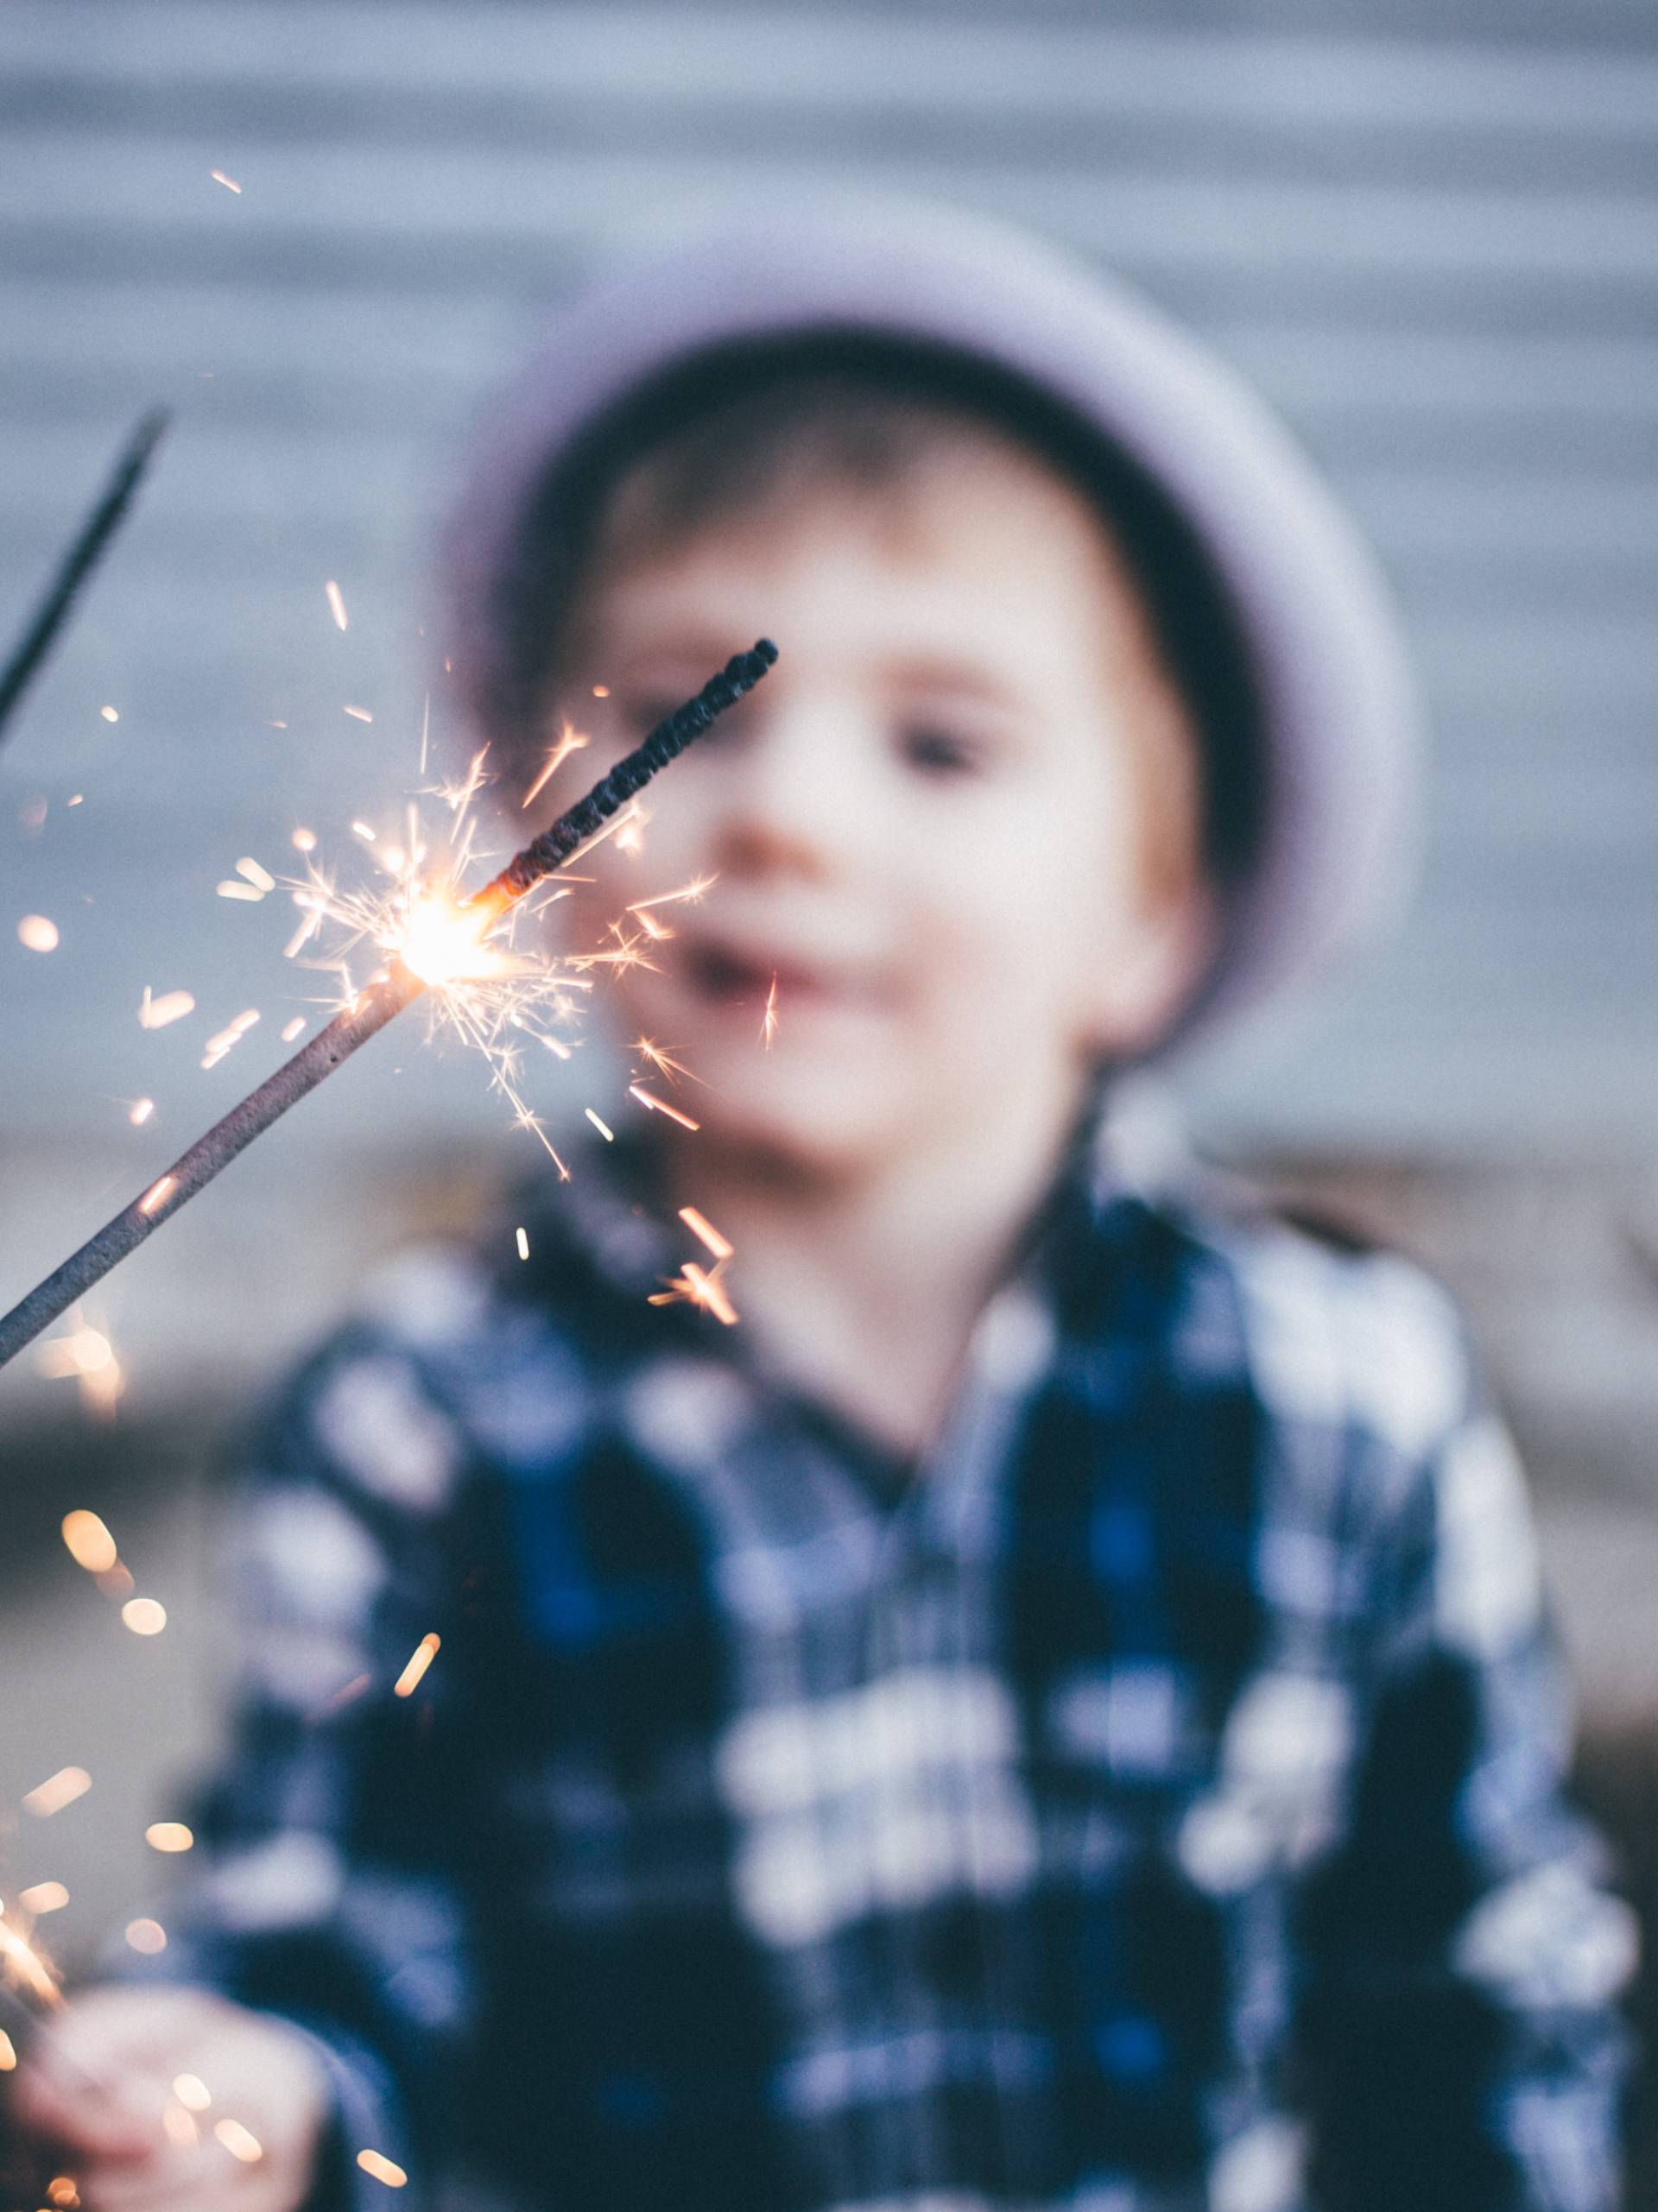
(337, 604)
(86, 1356)
(420, 1659)
(700, 1225)
(692, 892)
(171, 1006)
(571, 742)
(57, 1790)
(89, 1542)
(22, 1967)
(660, 1106)
(241, 2142)
(229, 183)
(662, 1062)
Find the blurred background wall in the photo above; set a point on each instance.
(1428, 228)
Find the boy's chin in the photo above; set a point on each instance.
(823, 1134)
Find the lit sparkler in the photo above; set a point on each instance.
(85, 552)
(443, 945)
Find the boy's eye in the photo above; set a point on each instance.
(641, 711)
(936, 752)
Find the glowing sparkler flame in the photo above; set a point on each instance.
(443, 942)
(23, 1967)
(490, 994)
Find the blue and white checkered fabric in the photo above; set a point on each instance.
(1150, 1803)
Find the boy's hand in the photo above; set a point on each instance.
(92, 2100)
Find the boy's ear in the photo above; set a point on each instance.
(1151, 970)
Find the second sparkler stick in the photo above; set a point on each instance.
(371, 1010)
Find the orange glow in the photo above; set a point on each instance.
(43, 1897)
(145, 1616)
(86, 1351)
(700, 1225)
(660, 1060)
(91, 1544)
(192, 2092)
(660, 1106)
(171, 1006)
(57, 1790)
(158, 1194)
(168, 1835)
(443, 942)
(37, 934)
(382, 2168)
(242, 2142)
(706, 1291)
(572, 741)
(26, 1967)
(148, 1936)
(691, 892)
(229, 1037)
(421, 1658)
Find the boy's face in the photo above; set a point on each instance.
(926, 826)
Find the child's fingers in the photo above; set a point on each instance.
(200, 2178)
(51, 2101)
(108, 2030)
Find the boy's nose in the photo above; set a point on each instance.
(790, 802)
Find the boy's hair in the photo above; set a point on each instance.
(743, 426)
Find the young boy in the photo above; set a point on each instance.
(1049, 1708)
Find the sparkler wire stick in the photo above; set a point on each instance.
(79, 561)
(369, 1012)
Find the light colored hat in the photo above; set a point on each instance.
(1339, 843)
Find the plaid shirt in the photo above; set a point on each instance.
(1151, 1803)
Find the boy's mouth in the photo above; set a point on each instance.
(722, 975)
